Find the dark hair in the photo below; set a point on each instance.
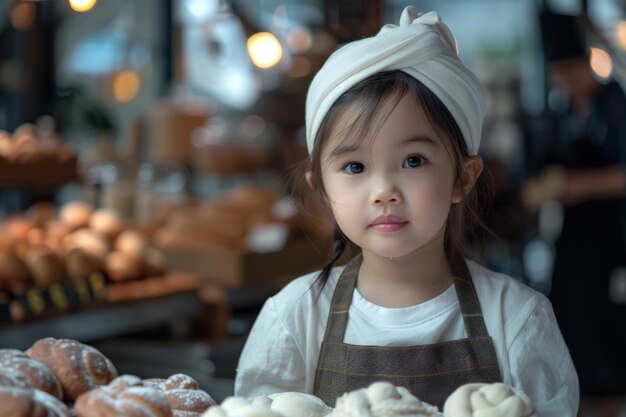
(366, 99)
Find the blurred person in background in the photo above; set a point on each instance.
(585, 171)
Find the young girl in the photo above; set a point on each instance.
(393, 129)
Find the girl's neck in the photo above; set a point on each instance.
(405, 281)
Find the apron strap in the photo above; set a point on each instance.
(342, 298)
(468, 301)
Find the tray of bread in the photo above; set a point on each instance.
(63, 377)
(78, 258)
(35, 155)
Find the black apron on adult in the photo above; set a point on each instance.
(431, 372)
(589, 251)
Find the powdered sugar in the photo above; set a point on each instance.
(37, 374)
(124, 395)
(55, 406)
(182, 393)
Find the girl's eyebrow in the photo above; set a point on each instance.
(342, 150)
(419, 139)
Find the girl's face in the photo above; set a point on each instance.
(391, 195)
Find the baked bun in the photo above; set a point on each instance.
(41, 213)
(23, 367)
(79, 264)
(28, 402)
(183, 394)
(88, 240)
(132, 243)
(124, 396)
(12, 378)
(78, 367)
(76, 214)
(106, 222)
(14, 273)
(45, 266)
(18, 227)
(121, 267)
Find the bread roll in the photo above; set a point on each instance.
(78, 367)
(56, 231)
(18, 227)
(88, 240)
(45, 267)
(79, 264)
(6, 144)
(12, 378)
(26, 402)
(132, 243)
(124, 396)
(121, 267)
(183, 394)
(25, 130)
(33, 371)
(36, 237)
(41, 212)
(14, 274)
(76, 214)
(106, 222)
(7, 245)
(24, 147)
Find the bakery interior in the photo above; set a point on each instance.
(145, 147)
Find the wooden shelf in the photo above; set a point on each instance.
(105, 321)
(44, 171)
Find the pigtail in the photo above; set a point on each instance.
(339, 247)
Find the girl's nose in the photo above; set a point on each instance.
(386, 194)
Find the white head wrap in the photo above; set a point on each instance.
(421, 46)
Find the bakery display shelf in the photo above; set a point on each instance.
(126, 310)
(37, 172)
(56, 298)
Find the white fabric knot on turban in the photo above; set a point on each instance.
(421, 46)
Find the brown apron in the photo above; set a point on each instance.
(430, 372)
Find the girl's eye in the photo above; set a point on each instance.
(353, 168)
(413, 161)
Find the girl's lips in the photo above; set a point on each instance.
(388, 223)
(388, 227)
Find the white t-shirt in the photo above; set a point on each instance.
(283, 346)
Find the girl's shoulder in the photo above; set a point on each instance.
(303, 292)
(509, 291)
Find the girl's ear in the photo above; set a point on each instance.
(309, 178)
(471, 170)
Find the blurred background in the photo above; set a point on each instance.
(144, 148)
